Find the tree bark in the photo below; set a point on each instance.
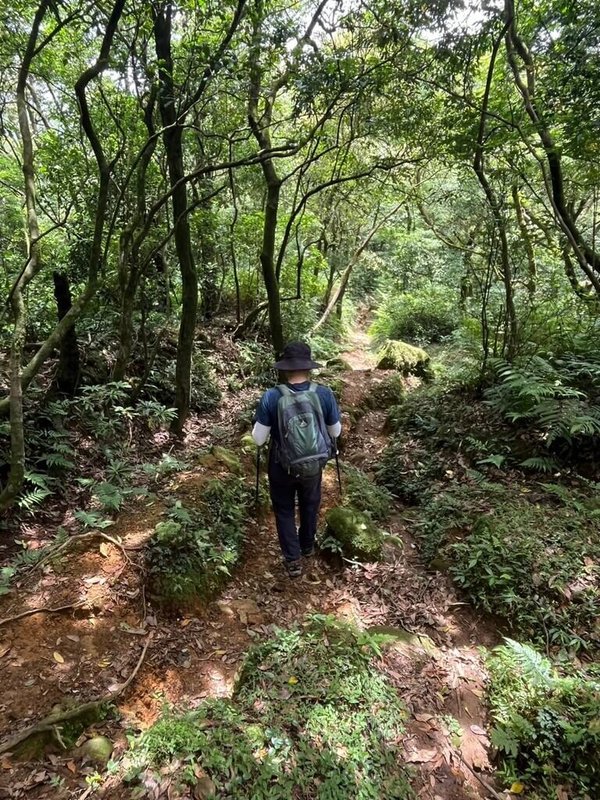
(511, 327)
(67, 374)
(173, 143)
(531, 265)
(587, 257)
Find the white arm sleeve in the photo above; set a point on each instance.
(335, 429)
(260, 433)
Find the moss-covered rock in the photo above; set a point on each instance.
(386, 393)
(365, 495)
(227, 458)
(405, 358)
(193, 550)
(338, 364)
(356, 533)
(97, 749)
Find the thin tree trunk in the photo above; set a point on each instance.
(337, 296)
(17, 433)
(587, 257)
(67, 374)
(531, 265)
(173, 142)
(511, 329)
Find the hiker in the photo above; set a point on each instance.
(303, 421)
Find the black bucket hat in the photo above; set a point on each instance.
(296, 356)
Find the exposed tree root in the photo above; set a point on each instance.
(41, 610)
(80, 537)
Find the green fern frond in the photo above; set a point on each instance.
(534, 666)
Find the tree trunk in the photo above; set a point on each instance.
(173, 143)
(267, 261)
(16, 475)
(67, 374)
(531, 265)
(338, 296)
(587, 257)
(511, 327)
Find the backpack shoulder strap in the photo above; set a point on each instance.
(284, 390)
(313, 387)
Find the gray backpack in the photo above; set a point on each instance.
(305, 445)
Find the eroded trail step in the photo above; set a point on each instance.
(433, 662)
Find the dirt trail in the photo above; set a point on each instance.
(48, 659)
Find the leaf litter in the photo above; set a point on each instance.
(435, 666)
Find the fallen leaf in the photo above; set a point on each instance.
(517, 788)
(5, 649)
(128, 629)
(421, 755)
(423, 717)
(293, 681)
(479, 731)
(104, 549)
(72, 766)
(57, 657)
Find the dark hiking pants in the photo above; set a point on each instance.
(284, 489)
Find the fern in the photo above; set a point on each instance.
(535, 667)
(92, 519)
(542, 394)
(109, 496)
(504, 742)
(32, 500)
(540, 464)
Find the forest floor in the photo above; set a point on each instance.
(54, 658)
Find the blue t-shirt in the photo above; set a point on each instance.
(266, 413)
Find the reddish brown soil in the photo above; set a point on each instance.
(72, 656)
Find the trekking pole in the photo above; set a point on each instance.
(257, 476)
(339, 474)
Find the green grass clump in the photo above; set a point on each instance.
(311, 718)
(365, 495)
(531, 558)
(353, 533)
(547, 725)
(192, 551)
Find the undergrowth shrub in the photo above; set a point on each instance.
(385, 393)
(546, 725)
(192, 551)
(408, 469)
(160, 385)
(561, 400)
(422, 316)
(365, 495)
(532, 558)
(255, 363)
(311, 718)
